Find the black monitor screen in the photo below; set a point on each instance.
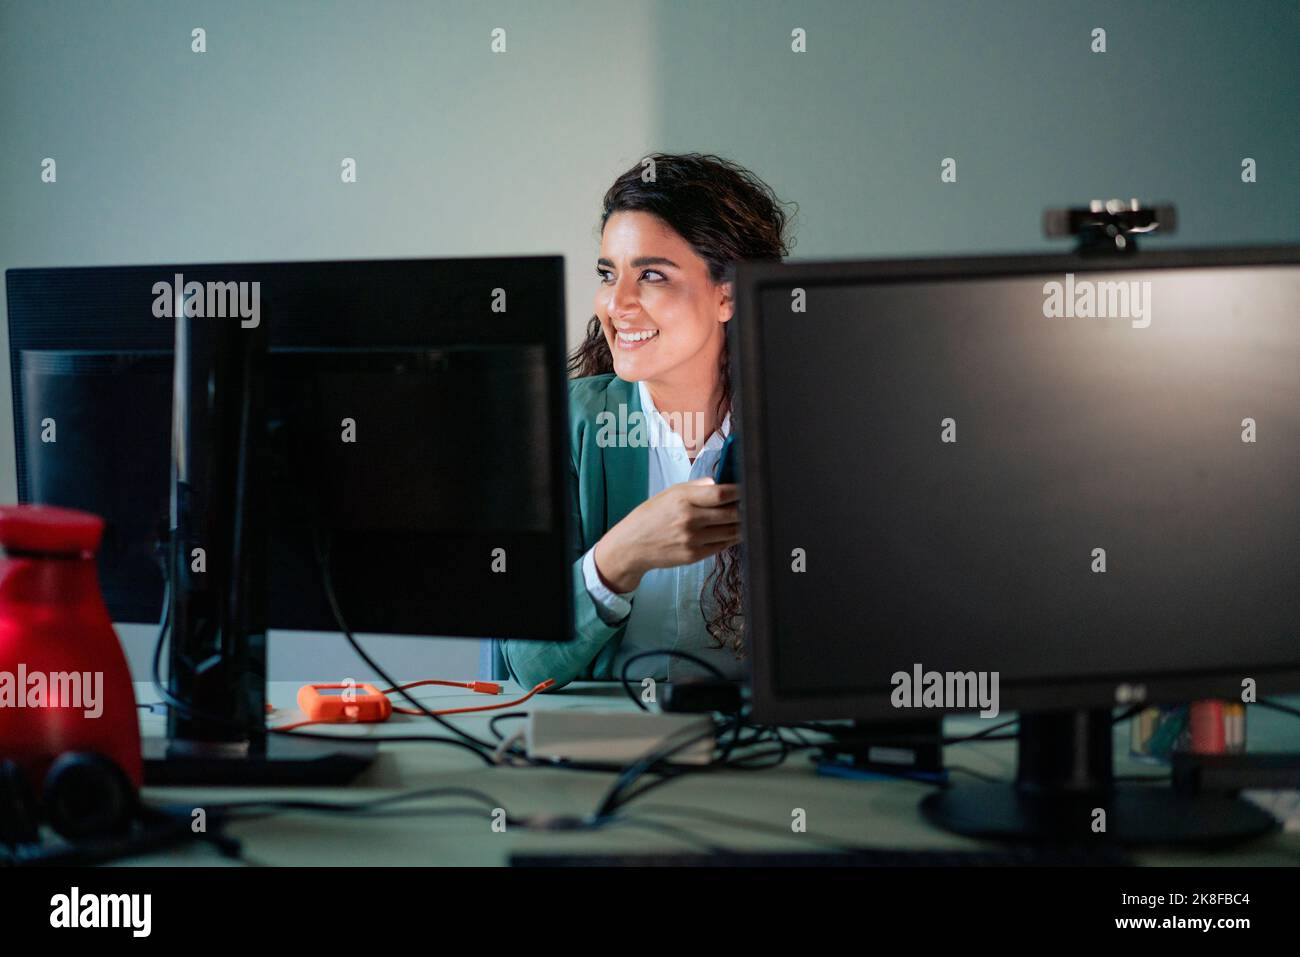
(416, 430)
(992, 475)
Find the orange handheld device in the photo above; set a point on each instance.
(344, 702)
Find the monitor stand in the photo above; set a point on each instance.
(283, 761)
(218, 572)
(1065, 776)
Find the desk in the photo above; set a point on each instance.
(878, 813)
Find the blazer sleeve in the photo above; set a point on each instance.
(532, 662)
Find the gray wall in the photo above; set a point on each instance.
(169, 156)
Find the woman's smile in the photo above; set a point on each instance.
(636, 338)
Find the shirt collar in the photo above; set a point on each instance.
(662, 433)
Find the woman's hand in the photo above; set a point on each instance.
(681, 525)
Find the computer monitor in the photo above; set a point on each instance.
(449, 371)
(1077, 474)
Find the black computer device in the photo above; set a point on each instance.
(399, 423)
(1076, 472)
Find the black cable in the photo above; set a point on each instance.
(722, 762)
(987, 733)
(978, 775)
(798, 736)
(744, 762)
(1278, 706)
(492, 722)
(991, 737)
(761, 733)
(666, 653)
(681, 771)
(1144, 778)
(327, 580)
(1128, 713)
(981, 734)
(666, 775)
(341, 807)
(747, 762)
(734, 742)
(621, 793)
(610, 802)
(169, 699)
(377, 808)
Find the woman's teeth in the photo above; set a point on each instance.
(633, 337)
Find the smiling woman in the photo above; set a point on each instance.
(657, 563)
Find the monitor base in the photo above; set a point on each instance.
(1137, 815)
(285, 761)
(1065, 778)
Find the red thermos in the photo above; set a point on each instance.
(64, 681)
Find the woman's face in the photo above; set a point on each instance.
(661, 312)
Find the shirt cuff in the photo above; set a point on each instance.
(611, 606)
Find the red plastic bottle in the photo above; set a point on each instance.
(53, 624)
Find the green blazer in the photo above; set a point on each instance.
(604, 485)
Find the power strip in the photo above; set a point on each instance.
(615, 737)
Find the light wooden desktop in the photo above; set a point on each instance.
(681, 816)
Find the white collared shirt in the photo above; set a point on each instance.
(664, 609)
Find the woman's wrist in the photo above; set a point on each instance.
(618, 576)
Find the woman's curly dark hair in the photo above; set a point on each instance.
(726, 214)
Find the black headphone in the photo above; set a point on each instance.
(86, 799)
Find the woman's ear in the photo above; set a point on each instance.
(726, 301)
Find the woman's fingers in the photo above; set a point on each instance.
(721, 515)
(717, 535)
(705, 494)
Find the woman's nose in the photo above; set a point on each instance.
(623, 300)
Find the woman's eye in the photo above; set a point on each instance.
(651, 275)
